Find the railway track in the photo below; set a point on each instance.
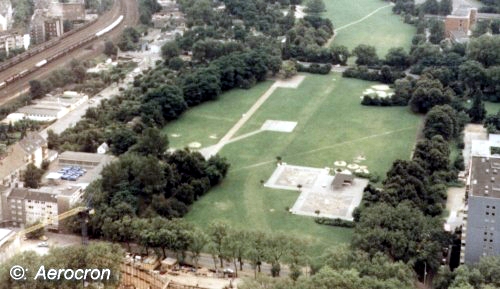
(14, 79)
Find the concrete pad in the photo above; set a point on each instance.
(279, 125)
(317, 193)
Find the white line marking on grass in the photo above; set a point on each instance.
(215, 117)
(326, 147)
(364, 18)
(356, 22)
(244, 136)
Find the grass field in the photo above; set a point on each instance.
(382, 30)
(332, 125)
(210, 121)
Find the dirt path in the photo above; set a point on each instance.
(356, 22)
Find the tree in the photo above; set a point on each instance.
(484, 49)
(445, 7)
(236, 247)
(197, 243)
(289, 68)
(431, 7)
(167, 100)
(401, 232)
(442, 120)
(200, 86)
(366, 55)
(110, 49)
(36, 88)
(340, 54)
(257, 250)
(437, 32)
(152, 142)
(472, 74)
(423, 99)
(169, 50)
(218, 233)
(121, 140)
(32, 176)
(129, 39)
(315, 6)
(477, 112)
(397, 57)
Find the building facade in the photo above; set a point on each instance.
(481, 231)
(6, 13)
(44, 27)
(33, 148)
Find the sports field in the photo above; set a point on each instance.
(331, 126)
(365, 21)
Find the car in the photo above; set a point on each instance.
(43, 244)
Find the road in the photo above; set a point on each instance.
(128, 8)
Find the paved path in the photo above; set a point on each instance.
(213, 150)
(455, 204)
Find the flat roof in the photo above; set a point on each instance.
(485, 177)
(82, 157)
(462, 11)
(5, 234)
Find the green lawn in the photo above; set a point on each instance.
(492, 107)
(208, 122)
(382, 30)
(332, 125)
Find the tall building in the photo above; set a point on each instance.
(481, 231)
(44, 27)
(459, 24)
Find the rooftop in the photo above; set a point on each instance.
(485, 177)
(5, 234)
(462, 11)
(30, 194)
(83, 157)
(31, 142)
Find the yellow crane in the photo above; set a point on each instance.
(57, 218)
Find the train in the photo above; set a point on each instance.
(59, 54)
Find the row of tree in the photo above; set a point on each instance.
(94, 256)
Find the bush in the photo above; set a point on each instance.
(315, 68)
(335, 222)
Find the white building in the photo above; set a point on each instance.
(103, 148)
(5, 14)
(49, 108)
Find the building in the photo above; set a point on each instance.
(6, 13)
(341, 179)
(103, 148)
(8, 243)
(48, 108)
(459, 24)
(71, 11)
(9, 41)
(31, 149)
(169, 20)
(44, 27)
(24, 206)
(481, 231)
